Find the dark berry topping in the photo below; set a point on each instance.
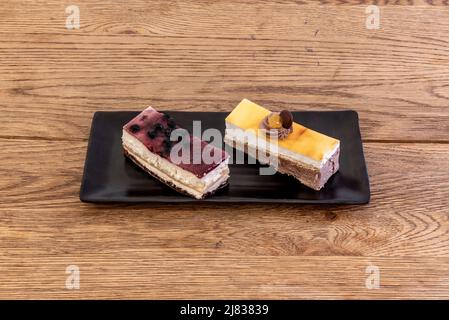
(143, 117)
(158, 127)
(152, 134)
(171, 124)
(165, 149)
(168, 132)
(134, 128)
(166, 117)
(167, 145)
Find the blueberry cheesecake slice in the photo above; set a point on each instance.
(155, 142)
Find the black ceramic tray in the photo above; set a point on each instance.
(110, 177)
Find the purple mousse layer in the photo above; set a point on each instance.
(154, 128)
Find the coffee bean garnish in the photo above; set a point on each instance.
(134, 128)
(286, 119)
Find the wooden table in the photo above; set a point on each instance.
(204, 55)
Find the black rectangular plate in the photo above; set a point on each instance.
(110, 177)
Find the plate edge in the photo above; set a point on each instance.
(82, 196)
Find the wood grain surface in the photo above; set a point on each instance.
(204, 55)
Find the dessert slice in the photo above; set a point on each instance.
(307, 155)
(148, 141)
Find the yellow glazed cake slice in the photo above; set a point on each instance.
(309, 156)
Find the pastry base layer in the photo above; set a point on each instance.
(310, 176)
(176, 185)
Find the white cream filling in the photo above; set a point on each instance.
(234, 133)
(157, 164)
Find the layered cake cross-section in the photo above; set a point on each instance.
(148, 141)
(309, 156)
